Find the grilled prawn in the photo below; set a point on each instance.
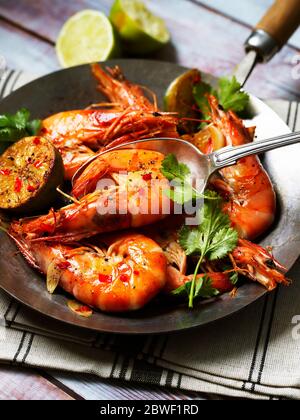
(124, 276)
(132, 196)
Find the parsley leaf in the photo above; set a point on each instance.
(200, 92)
(179, 174)
(172, 169)
(231, 96)
(203, 289)
(213, 239)
(14, 127)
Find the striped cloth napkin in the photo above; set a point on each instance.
(253, 354)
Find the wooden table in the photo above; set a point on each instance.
(206, 34)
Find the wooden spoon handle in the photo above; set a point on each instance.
(281, 20)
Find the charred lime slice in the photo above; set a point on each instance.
(179, 98)
(30, 172)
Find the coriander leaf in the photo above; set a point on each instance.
(33, 127)
(214, 238)
(172, 169)
(10, 135)
(200, 92)
(224, 241)
(181, 193)
(206, 290)
(21, 118)
(234, 277)
(190, 240)
(183, 290)
(14, 127)
(230, 95)
(203, 289)
(4, 121)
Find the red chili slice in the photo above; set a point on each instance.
(147, 177)
(31, 188)
(37, 164)
(18, 185)
(37, 141)
(83, 308)
(63, 265)
(105, 278)
(124, 278)
(5, 172)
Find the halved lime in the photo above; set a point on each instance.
(86, 37)
(179, 98)
(140, 30)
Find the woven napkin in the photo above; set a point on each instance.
(254, 354)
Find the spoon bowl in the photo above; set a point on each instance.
(201, 166)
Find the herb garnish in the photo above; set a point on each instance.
(203, 289)
(212, 239)
(229, 94)
(179, 174)
(14, 127)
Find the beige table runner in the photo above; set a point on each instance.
(255, 353)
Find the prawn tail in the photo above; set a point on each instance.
(258, 264)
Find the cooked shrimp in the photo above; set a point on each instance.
(137, 199)
(124, 277)
(250, 199)
(119, 90)
(115, 162)
(78, 134)
(248, 259)
(259, 265)
(175, 279)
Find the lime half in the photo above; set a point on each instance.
(179, 98)
(140, 30)
(86, 37)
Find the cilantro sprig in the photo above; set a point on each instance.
(13, 127)
(212, 239)
(229, 94)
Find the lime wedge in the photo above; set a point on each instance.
(86, 37)
(140, 30)
(179, 98)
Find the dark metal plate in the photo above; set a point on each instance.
(75, 88)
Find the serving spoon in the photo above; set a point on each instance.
(202, 166)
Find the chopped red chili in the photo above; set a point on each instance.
(5, 172)
(37, 141)
(105, 278)
(63, 265)
(124, 277)
(18, 185)
(136, 272)
(147, 177)
(83, 308)
(38, 164)
(31, 188)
